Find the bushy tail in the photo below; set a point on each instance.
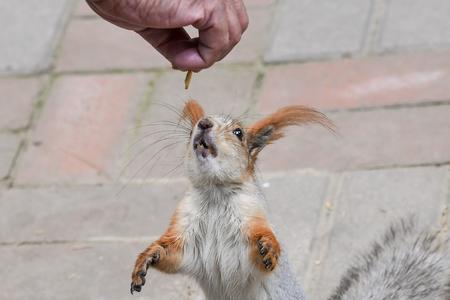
(406, 264)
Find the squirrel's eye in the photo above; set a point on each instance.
(238, 132)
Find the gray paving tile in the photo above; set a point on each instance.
(312, 29)
(83, 271)
(29, 34)
(368, 202)
(87, 213)
(415, 23)
(82, 213)
(295, 200)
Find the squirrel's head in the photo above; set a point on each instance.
(222, 150)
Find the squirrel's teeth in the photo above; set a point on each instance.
(203, 143)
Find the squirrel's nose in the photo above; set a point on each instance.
(205, 124)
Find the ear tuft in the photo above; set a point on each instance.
(192, 112)
(270, 128)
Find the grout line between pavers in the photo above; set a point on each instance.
(261, 175)
(60, 38)
(400, 166)
(143, 107)
(332, 57)
(374, 27)
(93, 240)
(8, 178)
(38, 105)
(257, 87)
(321, 238)
(247, 64)
(391, 106)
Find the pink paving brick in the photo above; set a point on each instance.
(366, 139)
(16, 101)
(78, 134)
(94, 44)
(364, 82)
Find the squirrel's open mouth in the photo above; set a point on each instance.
(204, 146)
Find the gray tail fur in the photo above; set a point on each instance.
(406, 263)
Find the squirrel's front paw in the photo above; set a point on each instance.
(269, 251)
(143, 262)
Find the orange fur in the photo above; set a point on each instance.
(168, 246)
(276, 122)
(192, 112)
(288, 116)
(260, 234)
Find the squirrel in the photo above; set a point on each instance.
(220, 234)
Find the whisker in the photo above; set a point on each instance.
(173, 169)
(166, 123)
(146, 135)
(158, 159)
(145, 165)
(175, 110)
(147, 147)
(169, 131)
(156, 124)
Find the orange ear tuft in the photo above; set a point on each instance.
(270, 128)
(192, 112)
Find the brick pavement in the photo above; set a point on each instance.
(81, 190)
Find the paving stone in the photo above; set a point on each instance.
(220, 90)
(418, 26)
(259, 3)
(249, 49)
(88, 212)
(9, 144)
(79, 134)
(223, 89)
(83, 10)
(252, 45)
(16, 101)
(363, 82)
(95, 44)
(295, 200)
(27, 51)
(367, 204)
(366, 139)
(314, 29)
(83, 271)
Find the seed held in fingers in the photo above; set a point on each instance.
(187, 80)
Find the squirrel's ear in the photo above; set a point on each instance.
(270, 128)
(192, 112)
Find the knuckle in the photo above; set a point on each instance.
(234, 39)
(245, 23)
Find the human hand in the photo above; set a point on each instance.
(220, 24)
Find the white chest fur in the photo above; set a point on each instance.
(216, 248)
